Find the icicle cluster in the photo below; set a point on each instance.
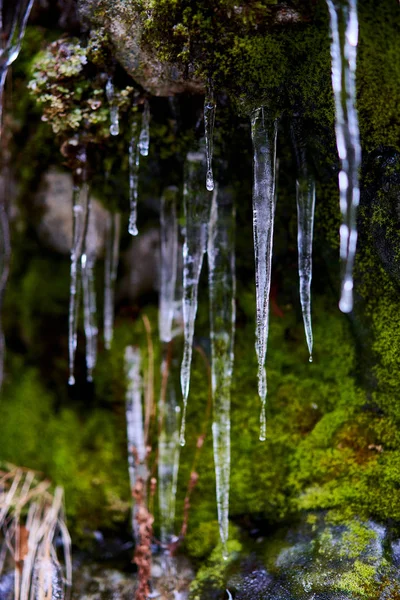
(264, 130)
(222, 288)
(197, 212)
(110, 274)
(344, 31)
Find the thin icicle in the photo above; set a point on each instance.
(134, 159)
(221, 278)
(80, 216)
(209, 120)
(197, 209)
(11, 35)
(114, 112)
(88, 262)
(344, 31)
(110, 274)
(135, 423)
(305, 196)
(169, 261)
(144, 138)
(169, 410)
(264, 134)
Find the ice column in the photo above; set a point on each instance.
(135, 423)
(221, 268)
(80, 217)
(197, 211)
(110, 274)
(134, 159)
(305, 197)
(264, 134)
(344, 32)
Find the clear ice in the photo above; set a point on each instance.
(344, 33)
(114, 112)
(11, 35)
(305, 197)
(144, 138)
(88, 262)
(168, 407)
(221, 279)
(264, 130)
(80, 217)
(135, 423)
(110, 274)
(209, 120)
(134, 159)
(197, 211)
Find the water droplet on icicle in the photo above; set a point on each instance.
(264, 130)
(344, 17)
(144, 138)
(114, 111)
(222, 287)
(209, 121)
(197, 210)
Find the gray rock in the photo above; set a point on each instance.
(141, 262)
(123, 24)
(55, 228)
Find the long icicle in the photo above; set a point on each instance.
(197, 209)
(264, 135)
(144, 137)
(135, 425)
(134, 160)
(110, 274)
(88, 262)
(80, 206)
(209, 121)
(222, 287)
(168, 408)
(344, 31)
(8, 54)
(305, 197)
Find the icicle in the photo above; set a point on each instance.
(197, 209)
(89, 312)
(209, 120)
(12, 37)
(344, 31)
(135, 423)
(80, 216)
(114, 112)
(305, 196)
(169, 410)
(110, 274)
(144, 138)
(264, 133)
(134, 158)
(221, 268)
(169, 258)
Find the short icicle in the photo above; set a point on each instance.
(168, 407)
(114, 112)
(344, 32)
(135, 424)
(88, 262)
(209, 121)
(80, 215)
(305, 197)
(110, 274)
(197, 210)
(221, 278)
(134, 160)
(264, 135)
(144, 137)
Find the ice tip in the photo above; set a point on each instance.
(71, 380)
(114, 130)
(209, 181)
(182, 441)
(346, 305)
(310, 358)
(133, 230)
